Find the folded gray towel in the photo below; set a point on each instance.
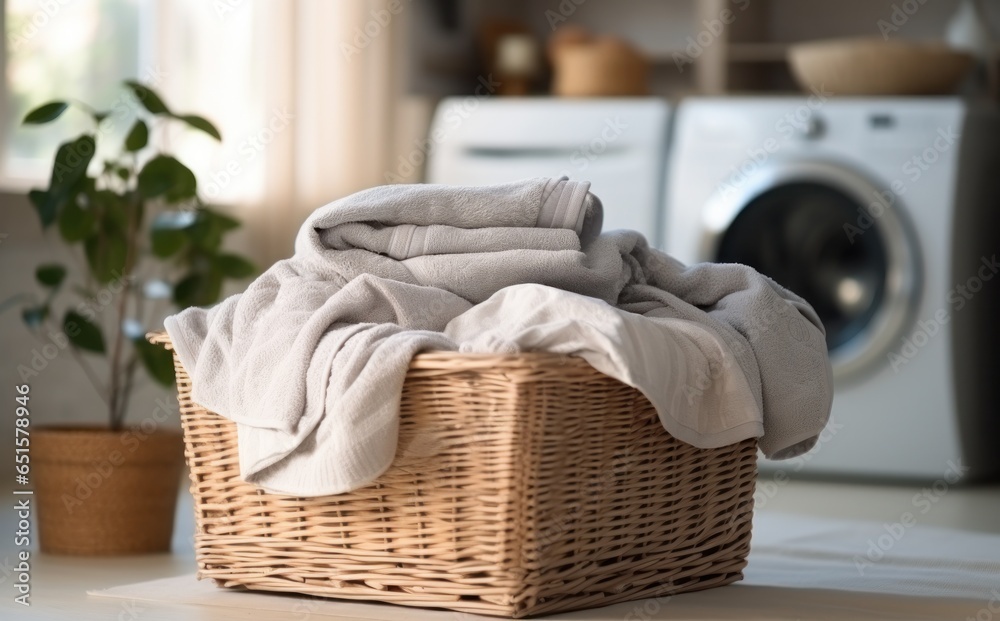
(310, 360)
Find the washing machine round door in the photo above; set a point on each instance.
(831, 236)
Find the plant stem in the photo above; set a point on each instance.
(113, 391)
(91, 111)
(82, 362)
(116, 390)
(126, 395)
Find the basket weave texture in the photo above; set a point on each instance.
(103, 492)
(521, 485)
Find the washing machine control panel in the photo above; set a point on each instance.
(815, 128)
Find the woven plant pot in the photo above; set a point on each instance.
(103, 492)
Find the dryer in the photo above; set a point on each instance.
(619, 145)
(883, 214)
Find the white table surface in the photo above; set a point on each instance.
(59, 584)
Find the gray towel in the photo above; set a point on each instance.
(310, 360)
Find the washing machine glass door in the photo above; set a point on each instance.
(830, 236)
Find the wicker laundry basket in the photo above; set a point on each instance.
(522, 485)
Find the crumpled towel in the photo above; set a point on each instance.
(310, 360)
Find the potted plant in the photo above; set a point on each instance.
(145, 242)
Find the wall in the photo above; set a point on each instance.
(794, 20)
(60, 393)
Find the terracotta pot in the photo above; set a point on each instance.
(103, 492)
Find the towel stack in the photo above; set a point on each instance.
(310, 360)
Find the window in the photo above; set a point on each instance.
(59, 49)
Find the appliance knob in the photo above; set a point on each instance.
(815, 129)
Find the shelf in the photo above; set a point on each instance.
(749, 54)
(757, 52)
(663, 57)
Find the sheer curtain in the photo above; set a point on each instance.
(304, 93)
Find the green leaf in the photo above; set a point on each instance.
(209, 228)
(47, 209)
(168, 231)
(157, 360)
(198, 289)
(45, 113)
(68, 176)
(201, 123)
(167, 242)
(206, 235)
(137, 137)
(106, 254)
(82, 332)
(149, 99)
(72, 159)
(166, 176)
(224, 222)
(234, 266)
(35, 315)
(51, 275)
(75, 223)
(113, 209)
(85, 186)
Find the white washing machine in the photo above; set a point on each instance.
(619, 145)
(884, 214)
